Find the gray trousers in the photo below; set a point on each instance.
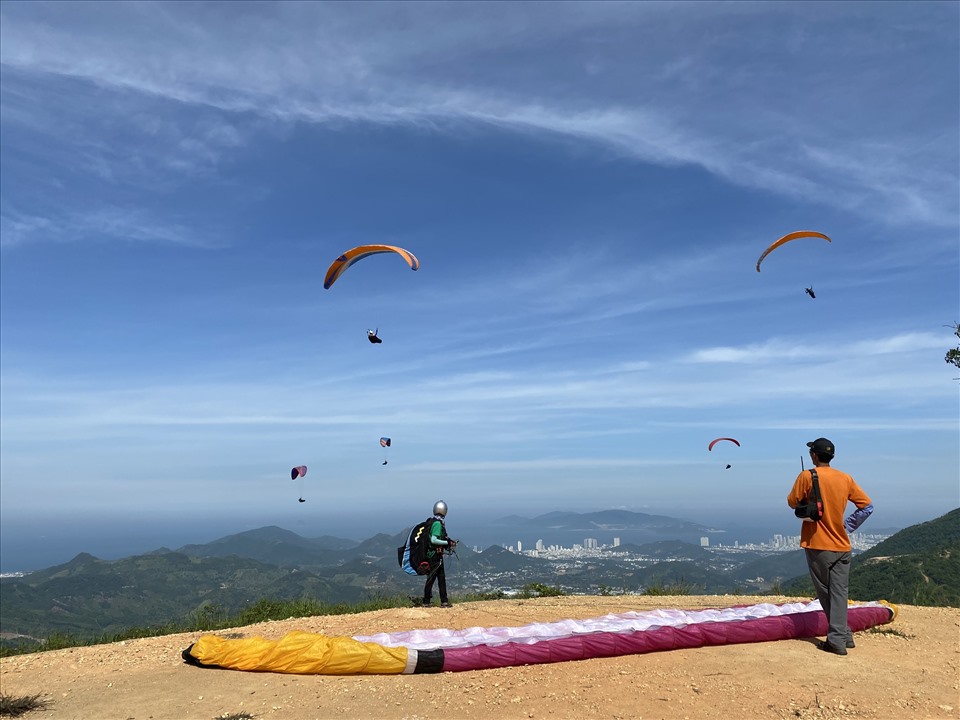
(830, 572)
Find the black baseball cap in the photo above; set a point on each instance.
(822, 447)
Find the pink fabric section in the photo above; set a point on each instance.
(606, 644)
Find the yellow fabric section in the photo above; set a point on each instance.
(892, 607)
(301, 653)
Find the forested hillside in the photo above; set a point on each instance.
(920, 565)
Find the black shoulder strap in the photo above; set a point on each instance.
(816, 496)
(816, 483)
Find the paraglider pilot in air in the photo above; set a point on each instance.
(297, 473)
(438, 543)
(372, 336)
(809, 291)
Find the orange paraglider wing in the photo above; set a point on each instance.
(339, 266)
(787, 238)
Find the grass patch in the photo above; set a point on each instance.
(880, 630)
(532, 590)
(676, 587)
(11, 706)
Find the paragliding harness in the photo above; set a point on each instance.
(811, 510)
(412, 556)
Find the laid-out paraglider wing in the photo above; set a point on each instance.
(448, 650)
(787, 238)
(714, 442)
(339, 266)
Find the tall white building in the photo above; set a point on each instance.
(704, 541)
(616, 542)
(519, 546)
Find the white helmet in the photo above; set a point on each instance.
(440, 508)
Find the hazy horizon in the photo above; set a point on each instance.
(25, 548)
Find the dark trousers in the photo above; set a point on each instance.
(437, 575)
(830, 572)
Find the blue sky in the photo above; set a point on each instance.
(587, 187)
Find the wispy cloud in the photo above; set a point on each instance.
(777, 349)
(99, 224)
(358, 73)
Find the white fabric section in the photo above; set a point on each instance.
(621, 623)
(411, 662)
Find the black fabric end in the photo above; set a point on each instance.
(429, 661)
(191, 660)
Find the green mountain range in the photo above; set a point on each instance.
(920, 565)
(89, 597)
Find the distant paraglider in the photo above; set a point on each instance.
(297, 473)
(714, 442)
(787, 238)
(385, 442)
(340, 265)
(372, 336)
(809, 291)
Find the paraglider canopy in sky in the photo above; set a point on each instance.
(340, 265)
(788, 238)
(714, 442)
(385, 442)
(297, 473)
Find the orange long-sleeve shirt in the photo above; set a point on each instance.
(837, 488)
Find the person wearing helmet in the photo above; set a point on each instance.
(438, 543)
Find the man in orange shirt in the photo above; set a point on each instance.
(826, 542)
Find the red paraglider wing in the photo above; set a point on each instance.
(714, 442)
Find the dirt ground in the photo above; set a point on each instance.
(908, 674)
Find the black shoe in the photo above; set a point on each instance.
(850, 644)
(445, 603)
(827, 647)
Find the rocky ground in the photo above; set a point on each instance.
(908, 669)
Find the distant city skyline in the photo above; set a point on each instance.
(778, 543)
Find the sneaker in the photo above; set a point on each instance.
(827, 647)
(446, 604)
